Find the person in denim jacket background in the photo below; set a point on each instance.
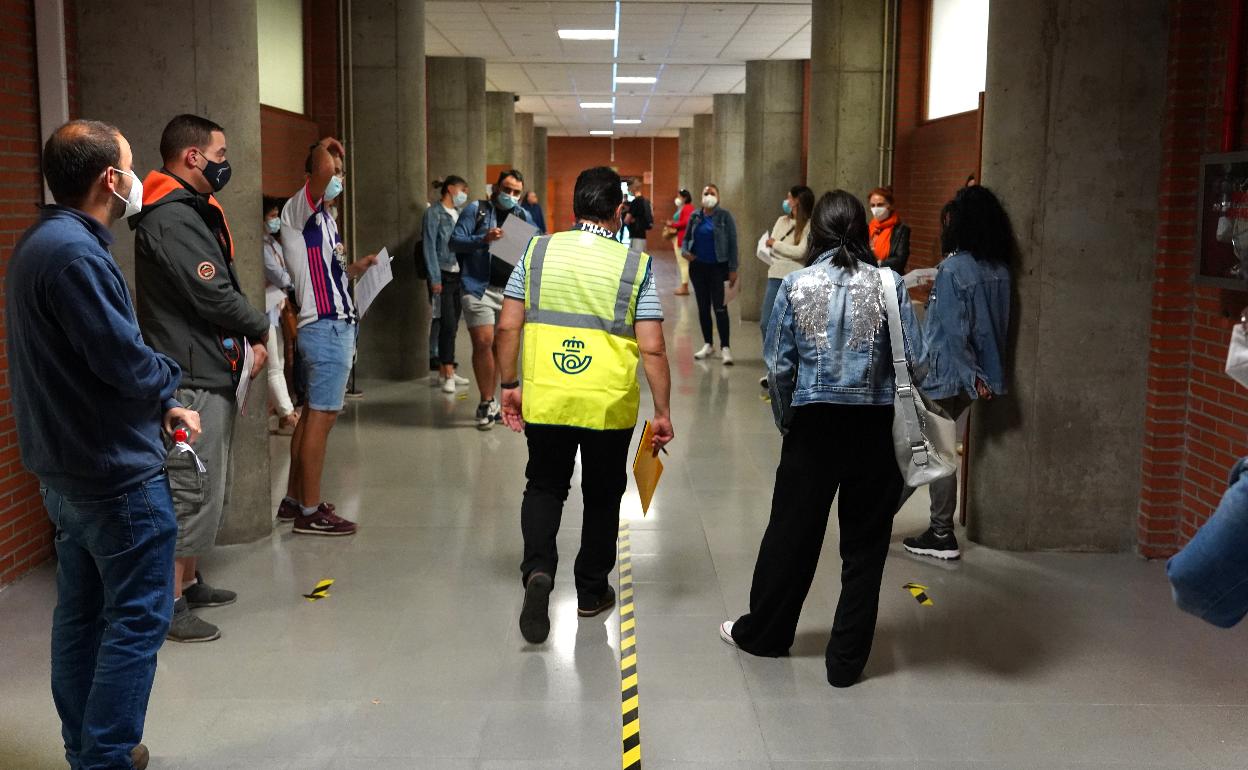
(1209, 577)
(829, 364)
(444, 280)
(711, 247)
(968, 318)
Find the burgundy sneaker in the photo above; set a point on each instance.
(288, 511)
(323, 522)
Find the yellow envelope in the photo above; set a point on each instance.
(647, 468)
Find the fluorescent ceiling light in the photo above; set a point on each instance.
(640, 80)
(601, 133)
(587, 34)
(597, 105)
(626, 122)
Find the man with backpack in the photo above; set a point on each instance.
(483, 277)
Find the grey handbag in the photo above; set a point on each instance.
(924, 440)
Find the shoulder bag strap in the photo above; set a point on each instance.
(906, 394)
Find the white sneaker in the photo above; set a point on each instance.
(448, 385)
(705, 352)
(725, 633)
(726, 354)
(461, 380)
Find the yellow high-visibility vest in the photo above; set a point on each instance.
(580, 351)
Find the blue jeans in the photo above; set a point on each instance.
(769, 302)
(114, 582)
(327, 347)
(1210, 576)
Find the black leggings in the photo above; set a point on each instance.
(448, 324)
(708, 287)
(829, 447)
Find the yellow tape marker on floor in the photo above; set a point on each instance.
(629, 698)
(321, 590)
(919, 592)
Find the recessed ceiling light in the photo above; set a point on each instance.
(597, 105)
(601, 133)
(639, 80)
(587, 34)
(626, 122)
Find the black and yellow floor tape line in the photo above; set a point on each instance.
(321, 590)
(629, 694)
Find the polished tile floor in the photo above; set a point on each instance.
(415, 661)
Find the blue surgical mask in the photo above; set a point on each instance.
(788, 209)
(334, 188)
(274, 225)
(459, 199)
(506, 202)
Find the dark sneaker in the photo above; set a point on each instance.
(323, 522)
(488, 413)
(606, 602)
(203, 595)
(931, 544)
(288, 511)
(535, 614)
(139, 757)
(189, 627)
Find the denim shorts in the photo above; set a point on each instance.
(327, 347)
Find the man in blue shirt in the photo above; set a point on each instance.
(90, 399)
(484, 277)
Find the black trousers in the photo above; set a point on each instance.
(708, 288)
(829, 448)
(448, 324)
(552, 459)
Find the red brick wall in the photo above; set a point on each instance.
(25, 534)
(568, 156)
(1196, 418)
(931, 158)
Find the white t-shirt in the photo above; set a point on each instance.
(454, 212)
(311, 246)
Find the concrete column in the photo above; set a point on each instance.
(388, 182)
(1055, 465)
(209, 69)
(500, 129)
(773, 163)
(523, 155)
(728, 149)
(703, 155)
(686, 159)
(846, 73)
(539, 173)
(456, 124)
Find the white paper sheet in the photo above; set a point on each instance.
(515, 241)
(920, 277)
(244, 381)
(372, 282)
(273, 297)
(731, 290)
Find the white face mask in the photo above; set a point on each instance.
(273, 225)
(1237, 356)
(133, 201)
(680, 202)
(879, 212)
(459, 199)
(710, 201)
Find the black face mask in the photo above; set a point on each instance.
(217, 174)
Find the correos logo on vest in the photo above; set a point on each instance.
(572, 359)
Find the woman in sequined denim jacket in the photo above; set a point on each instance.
(828, 337)
(831, 375)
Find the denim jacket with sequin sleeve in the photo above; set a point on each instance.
(968, 318)
(828, 339)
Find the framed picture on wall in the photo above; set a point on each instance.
(1222, 224)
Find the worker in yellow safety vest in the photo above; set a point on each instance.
(590, 313)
